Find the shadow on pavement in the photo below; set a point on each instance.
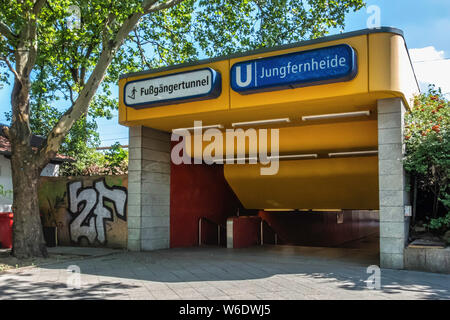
(314, 272)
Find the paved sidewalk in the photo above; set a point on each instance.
(84, 251)
(219, 273)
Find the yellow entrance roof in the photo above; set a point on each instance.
(384, 70)
(380, 68)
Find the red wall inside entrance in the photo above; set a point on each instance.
(321, 228)
(198, 190)
(246, 231)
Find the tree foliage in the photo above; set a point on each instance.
(427, 136)
(92, 162)
(183, 33)
(74, 51)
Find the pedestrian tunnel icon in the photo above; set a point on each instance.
(133, 93)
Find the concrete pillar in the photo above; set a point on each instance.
(148, 189)
(392, 181)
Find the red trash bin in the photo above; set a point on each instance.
(6, 222)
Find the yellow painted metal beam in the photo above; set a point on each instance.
(341, 183)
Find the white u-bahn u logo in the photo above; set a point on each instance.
(248, 77)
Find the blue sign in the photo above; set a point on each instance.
(293, 70)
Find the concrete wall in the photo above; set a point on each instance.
(428, 259)
(149, 189)
(392, 183)
(243, 231)
(51, 170)
(199, 191)
(87, 211)
(6, 181)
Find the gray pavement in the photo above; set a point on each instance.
(83, 251)
(268, 272)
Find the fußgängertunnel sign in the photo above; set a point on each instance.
(184, 86)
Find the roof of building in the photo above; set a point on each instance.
(36, 142)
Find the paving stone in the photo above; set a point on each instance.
(214, 273)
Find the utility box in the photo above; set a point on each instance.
(6, 223)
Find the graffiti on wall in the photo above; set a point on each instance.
(88, 211)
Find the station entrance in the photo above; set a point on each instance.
(295, 145)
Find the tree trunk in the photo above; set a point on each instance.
(28, 238)
(414, 213)
(435, 200)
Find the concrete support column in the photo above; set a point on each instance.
(392, 181)
(148, 189)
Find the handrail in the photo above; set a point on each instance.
(200, 229)
(262, 232)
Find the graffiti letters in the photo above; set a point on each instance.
(89, 209)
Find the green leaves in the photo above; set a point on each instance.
(191, 30)
(225, 27)
(92, 162)
(440, 224)
(116, 159)
(427, 137)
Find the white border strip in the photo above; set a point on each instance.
(260, 122)
(336, 115)
(289, 156)
(294, 156)
(213, 126)
(352, 153)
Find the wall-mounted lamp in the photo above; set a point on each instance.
(260, 122)
(214, 126)
(234, 160)
(352, 153)
(336, 115)
(294, 156)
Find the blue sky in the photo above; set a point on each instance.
(424, 22)
(426, 25)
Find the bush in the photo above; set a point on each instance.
(92, 162)
(117, 159)
(427, 137)
(439, 225)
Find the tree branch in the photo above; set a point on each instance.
(5, 130)
(69, 87)
(83, 67)
(81, 105)
(28, 40)
(141, 50)
(10, 67)
(38, 6)
(162, 5)
(7, 32)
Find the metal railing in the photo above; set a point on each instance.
(200, 224)
(264, 223)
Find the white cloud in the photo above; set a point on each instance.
(425, 54)
(431, 67)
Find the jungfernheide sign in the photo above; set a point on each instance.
(292, 70)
